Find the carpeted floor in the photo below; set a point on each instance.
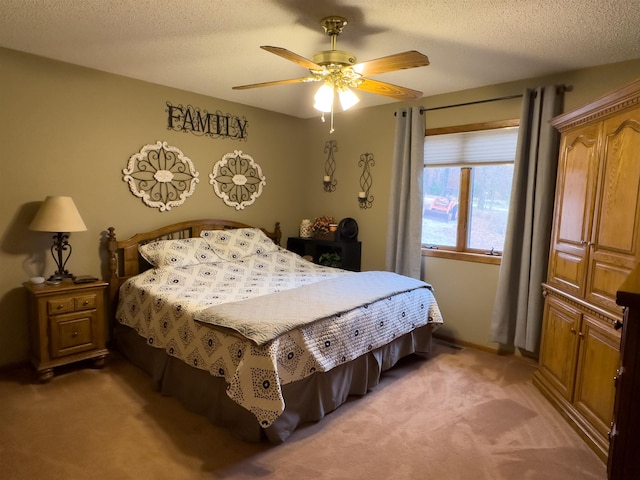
(460, 414)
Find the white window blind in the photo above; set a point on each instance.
(481, 147)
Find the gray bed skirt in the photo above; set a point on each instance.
(306, 400)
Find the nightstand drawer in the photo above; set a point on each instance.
(71, 304)
(60, 305)
(71, 333)
(86, 302)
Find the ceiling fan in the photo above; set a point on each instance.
(339, 71)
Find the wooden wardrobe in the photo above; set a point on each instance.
(595, 244)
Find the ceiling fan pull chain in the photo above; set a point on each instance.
(331, 129)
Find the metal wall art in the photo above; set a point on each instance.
(366, 162)
(200, 122)
(237, 179)
(161, 175)
(329, 181)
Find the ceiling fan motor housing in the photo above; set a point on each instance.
(335, 57)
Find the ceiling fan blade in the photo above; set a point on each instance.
(399, 61)
(389, 90)
(276, 82)
(293, 57)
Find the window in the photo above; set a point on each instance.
(467, 187)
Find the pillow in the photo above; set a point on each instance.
(239, 242)
(178, 253)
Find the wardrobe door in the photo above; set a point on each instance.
(615, 248)
(558, 351)
(573, 215)
(598, 361)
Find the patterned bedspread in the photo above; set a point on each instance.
(160, 304)
(264, 318)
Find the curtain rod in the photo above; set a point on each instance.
(508, 97)
(560, 89)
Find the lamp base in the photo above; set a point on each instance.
(60, 276)
(60, 245)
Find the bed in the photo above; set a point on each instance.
(252, 336)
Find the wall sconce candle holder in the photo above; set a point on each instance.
(328, 180)
(366, 162)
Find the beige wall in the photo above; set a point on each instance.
(68, 130)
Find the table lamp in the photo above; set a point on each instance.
(60, 215)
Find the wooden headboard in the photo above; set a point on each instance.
(125, 261)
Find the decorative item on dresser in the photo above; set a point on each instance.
(66, 324)
(595, 244)
(306, 228)
(322, 227)
(624, 447)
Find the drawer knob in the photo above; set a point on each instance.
(60, 306)
(86, 302)
(74, 334)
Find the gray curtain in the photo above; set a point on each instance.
(517, 315)
(404, 226)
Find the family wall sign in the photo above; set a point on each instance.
(200, 122)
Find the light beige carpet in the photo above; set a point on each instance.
(461, 414)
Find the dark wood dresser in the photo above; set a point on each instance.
(624, 446)
(349, 251)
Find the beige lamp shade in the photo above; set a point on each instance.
(58, 214)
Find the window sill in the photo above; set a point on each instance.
(462, 256)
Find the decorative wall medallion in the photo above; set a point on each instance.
(161, 175)
(237, 179)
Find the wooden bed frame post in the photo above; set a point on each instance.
(114, 284)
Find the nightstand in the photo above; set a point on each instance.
(66, 325)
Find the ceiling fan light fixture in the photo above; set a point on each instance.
(324, 98)
(347, 98)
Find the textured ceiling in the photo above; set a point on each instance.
(208, 46)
